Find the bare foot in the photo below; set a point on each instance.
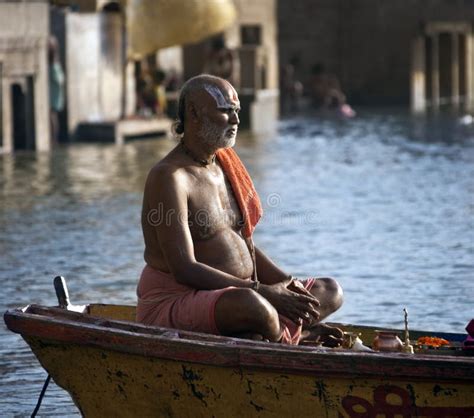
(322, 334)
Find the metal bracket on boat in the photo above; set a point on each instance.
(63, 299)
(63, 295)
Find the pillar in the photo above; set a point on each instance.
(469, 73)
(131, 97)
(417, 78)
(7, 115)
(435, 70)
(41, 97)
(455, 93)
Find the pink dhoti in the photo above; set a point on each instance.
(164, 302)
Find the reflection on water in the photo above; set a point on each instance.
(383, 202)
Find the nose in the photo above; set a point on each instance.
(234, 118)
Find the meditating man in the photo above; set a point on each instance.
(203, 272)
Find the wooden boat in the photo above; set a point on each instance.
(112, 366)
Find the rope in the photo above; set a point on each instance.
(40, 399)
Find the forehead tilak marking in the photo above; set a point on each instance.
(235, 96)
(219, 98)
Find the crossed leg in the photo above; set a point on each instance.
(245, 313)
(330, 295)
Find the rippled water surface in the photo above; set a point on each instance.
(383, 202)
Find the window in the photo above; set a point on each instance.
(251, 35)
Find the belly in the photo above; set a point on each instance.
(225, 251)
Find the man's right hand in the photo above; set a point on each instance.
(294, 305)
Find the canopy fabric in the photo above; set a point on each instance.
(156, 24)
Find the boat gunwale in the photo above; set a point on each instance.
(65, 328)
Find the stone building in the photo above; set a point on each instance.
(92, 40)
(24, 100)
(384, 51)
(253, 38)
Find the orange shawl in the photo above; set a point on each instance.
(243, 188)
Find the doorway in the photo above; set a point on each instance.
(23, 118)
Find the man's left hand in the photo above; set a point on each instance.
(323, 334)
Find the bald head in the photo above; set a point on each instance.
(202, 88)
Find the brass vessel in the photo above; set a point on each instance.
(387, 341)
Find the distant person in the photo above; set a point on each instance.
(173, 80)
(160, 92)
(291, 90)
(56, 87)
(220, 61)
(172, 85)
(326, 92)
(146, 95)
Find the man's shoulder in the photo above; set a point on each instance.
(169, 172)
(166, 170)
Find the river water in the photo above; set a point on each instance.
(383, 202)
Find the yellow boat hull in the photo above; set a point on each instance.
(116, 368)
(107, 383)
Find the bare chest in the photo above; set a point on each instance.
(212, 206)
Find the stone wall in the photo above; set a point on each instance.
(94, 64)
(366, 43)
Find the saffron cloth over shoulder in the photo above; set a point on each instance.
(243, 188)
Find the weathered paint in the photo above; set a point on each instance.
(117, 312)
(109, 383)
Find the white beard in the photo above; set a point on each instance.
(214, 136)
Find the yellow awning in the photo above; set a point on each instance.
(156, 24)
